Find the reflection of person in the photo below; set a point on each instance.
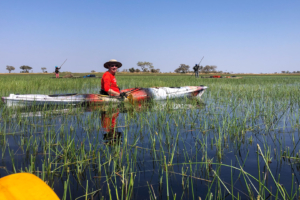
(57, 71)
(108, 122)
(108, 82)
(112, 137)
(196, 70)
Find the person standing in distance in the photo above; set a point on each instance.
(57, 71)
(196, 70)
(109, 84)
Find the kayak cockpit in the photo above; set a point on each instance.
(59, 95)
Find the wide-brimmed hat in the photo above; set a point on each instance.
(106, 65)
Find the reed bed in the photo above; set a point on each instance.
(241, 141)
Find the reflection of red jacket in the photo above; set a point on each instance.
(108, 121)
(109, 81)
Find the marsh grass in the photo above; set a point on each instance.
(239, 142)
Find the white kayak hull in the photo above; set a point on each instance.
(134, 94)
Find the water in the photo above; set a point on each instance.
(185, 148)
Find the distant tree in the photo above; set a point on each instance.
(10, 68)
(183, 68)
(205, 69)
(25, 68)
(125, 70)
(144, 66)
(213, 68)
(93, 71)
(283, 72)
(132, 70)
(155, 70)
(209, 69)
(200, 68)
(137, 70)
(43, 69)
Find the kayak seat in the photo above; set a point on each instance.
(59, 95)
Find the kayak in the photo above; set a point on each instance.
(133, 95)
(23, 186)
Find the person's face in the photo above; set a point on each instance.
(112, 68)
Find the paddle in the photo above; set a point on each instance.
(23, 186)
(63, 63)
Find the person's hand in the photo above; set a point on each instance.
(123, 94)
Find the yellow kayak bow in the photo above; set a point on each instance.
(25, 186)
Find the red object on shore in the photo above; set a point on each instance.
(216, 76)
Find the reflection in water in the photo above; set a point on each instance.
(112, 109)
(109, 113)
(108, 120)
(112, 137)
(109, 124)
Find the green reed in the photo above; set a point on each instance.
(184, 142)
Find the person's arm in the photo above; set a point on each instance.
(111, 92)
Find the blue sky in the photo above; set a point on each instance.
(258, 36)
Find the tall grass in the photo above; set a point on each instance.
(240, 141)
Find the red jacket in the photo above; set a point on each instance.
(109, 81)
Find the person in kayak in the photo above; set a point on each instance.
(108, 82)
(57, 71)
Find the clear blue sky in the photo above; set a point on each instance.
(236, 35)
